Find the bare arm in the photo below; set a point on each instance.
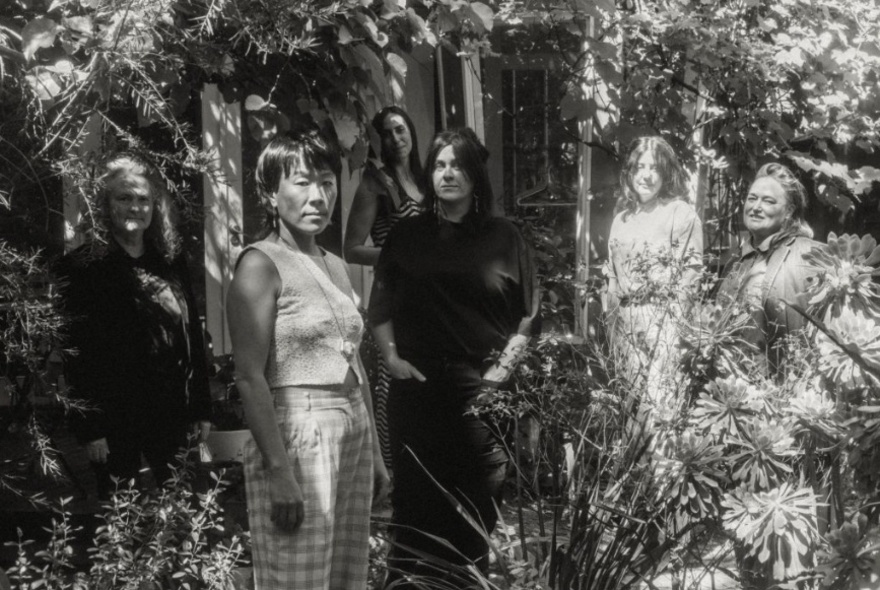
(501, 370)
(364, 209)
(251, 313)
(529, 324)
(399, 368)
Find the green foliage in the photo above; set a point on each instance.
(172, 538)
(29, 322)
(785, 471)
(846, 279)
(29, 331)
(759, 79)
(851, 556)
(777, 526)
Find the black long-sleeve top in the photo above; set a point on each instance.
(137, 349)
(459, 290)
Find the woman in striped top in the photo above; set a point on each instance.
(385, 196)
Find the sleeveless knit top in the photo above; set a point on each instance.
(317, 326)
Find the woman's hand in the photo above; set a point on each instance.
(381, 481)
(97, 450)
(286, 499)
(201, 430)
(401, 369)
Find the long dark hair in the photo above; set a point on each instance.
(471, 156)
(414, 163)
(308, 147)
(161, 235)
(671, 172)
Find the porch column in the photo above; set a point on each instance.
(585, 196)
(221, 136)
(473, 93)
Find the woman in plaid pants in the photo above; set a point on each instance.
(313, 463)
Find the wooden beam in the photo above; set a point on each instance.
(585, 197)
(473, 93)
(224, 220)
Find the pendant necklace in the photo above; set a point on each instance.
(346, 347)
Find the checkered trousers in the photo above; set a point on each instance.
(329, 444)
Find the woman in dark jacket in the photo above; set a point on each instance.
(137, 352)
(770, 272)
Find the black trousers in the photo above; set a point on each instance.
(435, 443)
(157, 434)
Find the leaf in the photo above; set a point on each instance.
(395, 82)
(347, 129)
(38, 34)
(255, 102)
(359, 155)
(62, 66)
(603, 49)
(587, 7)
(866, 176)
(484, 15)
(575, 105)
(420, 30)
(79, 24)
(344, 37)
(378, 37)
(45, 84)
(810, 164)
(262, 126)
(446, 22)
(397, 63)
(366, 59)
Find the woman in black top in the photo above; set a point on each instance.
(453, 286)
(138, 358)
(385, 196)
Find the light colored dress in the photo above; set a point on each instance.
(655, 255)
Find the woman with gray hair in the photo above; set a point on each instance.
(770, 270)
(139, 358)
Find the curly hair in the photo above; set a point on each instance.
(668, 165)
(795, 196)
(162, 233)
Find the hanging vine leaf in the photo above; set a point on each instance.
(38, 34)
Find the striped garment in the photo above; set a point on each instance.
(384, 223)
(385, 220)
(328, 440)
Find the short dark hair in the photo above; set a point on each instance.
(471, 156)
(414, 163)
(307, 146)
(671, 172)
